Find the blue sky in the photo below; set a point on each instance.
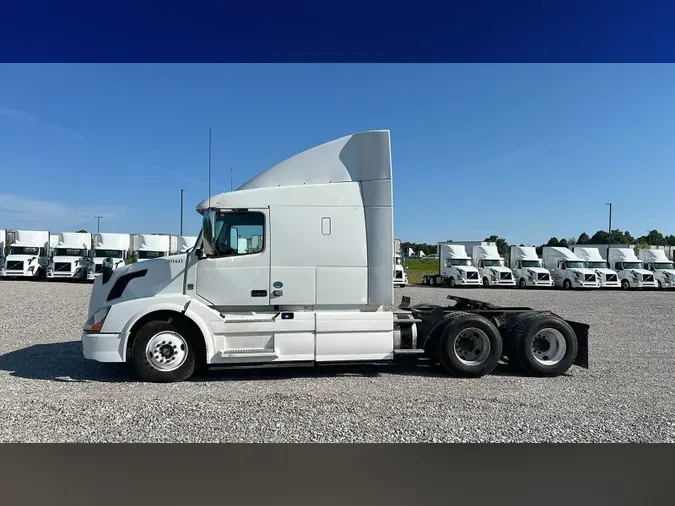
(521, 151)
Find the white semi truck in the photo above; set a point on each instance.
(656, 261)
(568, 270)
(631, 270)
(528, 269)
(114, 246)
(3, 247)
(400, 276)
(148, 246)
(491, 265)
(185, 242)
(607, 278)
(328, 302)
(72, 258)
(455, 267)
(28, 255)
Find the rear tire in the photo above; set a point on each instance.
(425, 280)
(469, 347)
(163, 353)
(432, 280)
(540, 344)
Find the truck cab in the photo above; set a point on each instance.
(455, 267)
(607, 278)
(656, 261)
(528, 268)
(150, 246)
(400, 276)
(567, 269)
(491, 266)
(72, 258)
(113, 246)
(28, 255)
(630, 269)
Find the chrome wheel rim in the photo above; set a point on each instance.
(549, 347)
(166, 351)
(471, 346)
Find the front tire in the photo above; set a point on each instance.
(567, 284)
(162, 353)
(469, 347)
(522, 283)
(451, 282)
(625, 284)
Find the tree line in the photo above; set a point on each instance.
(653, 238)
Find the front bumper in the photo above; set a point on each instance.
(610, 284)
(18, 274)
(103, 347)
(585, 284)
(503, 282)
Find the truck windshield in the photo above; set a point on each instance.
(150, 254)
(108, 253)
(68, 252)
(574, 264)
(493, 263)
(459, 261)
(596, 264)
(532, 263)
(24, 250)
(663, 265)
(632, 265)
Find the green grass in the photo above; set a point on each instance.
(416, 268)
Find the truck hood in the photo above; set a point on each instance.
(584, 271)
(153, 277)
(499, 269)
(641, 272)
(466, 268)
(536, 270)
(66, 259)
(667, 271)
(603, 270)
(25, 258)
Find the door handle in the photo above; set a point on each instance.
(258, 293)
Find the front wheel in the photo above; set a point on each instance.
(163, 354)
(567, 284)
(521, 283)
(486, 283)
(625, 284)
(451, 282)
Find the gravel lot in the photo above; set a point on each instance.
(49, 393)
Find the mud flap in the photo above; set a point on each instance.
(581, 331)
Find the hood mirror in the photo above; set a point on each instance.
(107, 270)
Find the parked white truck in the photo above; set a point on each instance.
(455, 267)
(148, 246)
(607, 278)
(528, 269)
(567, 269)
(72, 258)
(28, 255)
(491, 265)
(656, 261)
(330, 301)
(400, 276)
(114, 246)
(630, 269)
(3, 247)
(185, 242)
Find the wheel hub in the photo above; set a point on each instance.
(549, 347)
(166, 351)
(472, 346)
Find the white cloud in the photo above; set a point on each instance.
(32, 120)
(17, 212)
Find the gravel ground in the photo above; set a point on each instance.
(49, 393)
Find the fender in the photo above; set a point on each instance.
(180, 304)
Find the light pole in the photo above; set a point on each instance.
(181, 211)
(98, 224)
(609, 229)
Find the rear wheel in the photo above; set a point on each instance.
(469, 347)
(163, 353)
(542, 345)
(425, 280)
(432, 280)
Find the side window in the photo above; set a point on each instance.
(617, 266)
(240, 233)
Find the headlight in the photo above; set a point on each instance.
(95, 321)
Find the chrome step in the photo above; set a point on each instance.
(248, 353)
(415, 351)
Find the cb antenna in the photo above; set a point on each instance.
(230, 178)
(209, 167)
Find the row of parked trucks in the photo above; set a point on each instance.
(38, 254)
(587, 266)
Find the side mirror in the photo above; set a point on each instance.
(107, 270)
(208, 233)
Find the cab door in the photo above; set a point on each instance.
(238, 274)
